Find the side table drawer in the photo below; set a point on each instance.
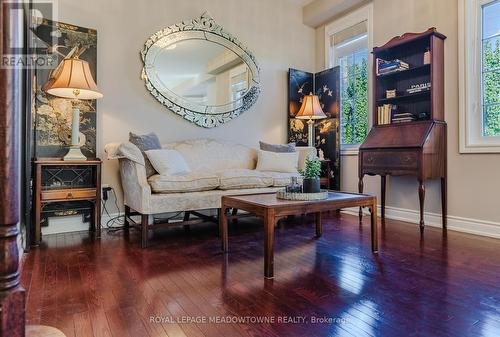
(407, 160)
(69, 194)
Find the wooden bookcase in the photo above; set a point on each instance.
(416, 148)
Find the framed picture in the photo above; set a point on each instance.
(52, 115)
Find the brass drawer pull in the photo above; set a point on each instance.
(70, 195)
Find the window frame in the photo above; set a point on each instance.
(359, 15)
(471, 136)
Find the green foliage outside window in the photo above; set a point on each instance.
(354, 103)
(491, 87)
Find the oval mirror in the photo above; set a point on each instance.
(200, 72)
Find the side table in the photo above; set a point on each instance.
(67, 188)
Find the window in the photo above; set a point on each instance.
(348, 41)
(491, 69)
(480, 76)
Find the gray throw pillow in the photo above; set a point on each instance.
(290, 147)
(146, 143)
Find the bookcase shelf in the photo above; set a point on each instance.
(419, 95)
(411, 70)
(414, 147)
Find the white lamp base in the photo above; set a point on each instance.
(310, 124)
(74, 153)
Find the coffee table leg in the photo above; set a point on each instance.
(374, 227)
(269, 221)
(223, 227)
(319, 225)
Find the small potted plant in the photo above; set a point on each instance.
(311, 175)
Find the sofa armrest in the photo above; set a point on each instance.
(304, 153)
(124, 151)
(136, 189)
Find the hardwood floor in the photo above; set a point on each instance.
(111, 287)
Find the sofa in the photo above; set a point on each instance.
(218, 168)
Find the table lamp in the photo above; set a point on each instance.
(310, 109)
(73, 79)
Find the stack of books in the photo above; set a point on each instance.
(403, 117)
(384, 114)
(420, 87)
(386, 67)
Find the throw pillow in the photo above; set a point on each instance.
(277, 162)
(168, 162)
(290, 147)
(145, 143)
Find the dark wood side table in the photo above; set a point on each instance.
(67, 187)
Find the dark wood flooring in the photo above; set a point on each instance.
(439, 286)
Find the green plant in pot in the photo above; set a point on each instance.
(311, 174)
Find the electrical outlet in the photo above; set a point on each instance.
(105, 189)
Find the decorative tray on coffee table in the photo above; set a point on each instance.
(299, 196)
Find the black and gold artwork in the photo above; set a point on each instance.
(326, 85)
(52, 115)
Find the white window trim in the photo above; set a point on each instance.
(470, 96)
(361, 14)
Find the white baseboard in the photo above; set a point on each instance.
(465, 225)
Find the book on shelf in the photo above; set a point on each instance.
(384, 113)
(404, 120)
(416, 88)
(387, 67)
(402, 117)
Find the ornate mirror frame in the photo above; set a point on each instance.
(203, 28)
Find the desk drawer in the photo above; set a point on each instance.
(391, 159)
(69, 194)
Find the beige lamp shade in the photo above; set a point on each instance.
(311, 108)
(72, 79)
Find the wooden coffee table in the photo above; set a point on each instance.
(272, 209)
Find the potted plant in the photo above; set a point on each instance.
(311, 175)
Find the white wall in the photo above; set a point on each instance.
(473, 180)
(272, 30)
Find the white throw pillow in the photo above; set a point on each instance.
(168, 162)
(278, 161)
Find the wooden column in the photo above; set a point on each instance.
(12, 296)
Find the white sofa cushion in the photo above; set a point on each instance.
(243, 178)
(281, 179)
(278, 162)
(192, 182)
(168, 162)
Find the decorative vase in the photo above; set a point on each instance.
(294, 186)
(311, 185)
